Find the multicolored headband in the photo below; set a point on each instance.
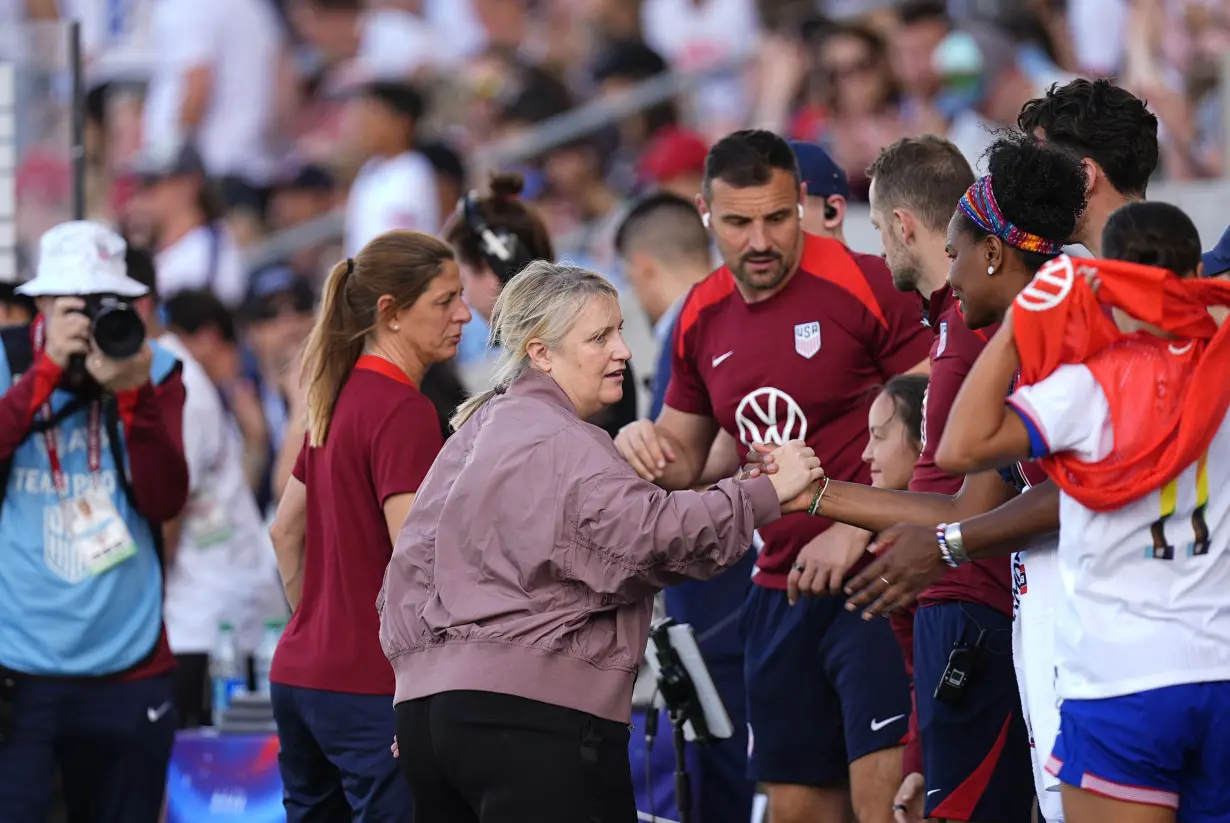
(979, 205)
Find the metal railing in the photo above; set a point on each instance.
(597, 114)
(585, 119)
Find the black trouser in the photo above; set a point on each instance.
(481, 757)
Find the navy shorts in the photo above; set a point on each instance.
(975, 751)
(111, 740)
(824, 688)
(1163, 747)
(335, 759)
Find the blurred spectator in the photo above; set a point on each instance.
(697, 36)
(985, 83)
(922, 26)
(396, 187)
(217, 547)
(827, 191)
(278, 315)
(206, 328)
(450, 173)
(15, 309)
(862, 99)
(176, 213)
(219, 79)
(307, 192)
(674, 161)
(620, 67)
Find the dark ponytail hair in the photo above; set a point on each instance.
(502, 210)
(400, 264)
(907, 392)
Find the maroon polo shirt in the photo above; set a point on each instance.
(382, 441)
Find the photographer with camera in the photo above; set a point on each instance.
(92, 463)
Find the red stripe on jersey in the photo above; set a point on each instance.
(830, 260)
(713, 289)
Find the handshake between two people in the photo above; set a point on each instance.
(795, 478)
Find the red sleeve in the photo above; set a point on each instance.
(405, 446)
(901, 341)
(299, 472)
(23, 400)
(153, 421)
(686, 392)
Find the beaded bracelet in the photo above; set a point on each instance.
(945, 552)
(815, 498)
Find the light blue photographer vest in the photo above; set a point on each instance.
(55, 617)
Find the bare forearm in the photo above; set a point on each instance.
(684, 472)
(1011, 526)
(877, 509)
(290, 567)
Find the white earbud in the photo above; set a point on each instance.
(800, 211)
(704, 218)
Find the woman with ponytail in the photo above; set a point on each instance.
(386, 316)
(497, 236)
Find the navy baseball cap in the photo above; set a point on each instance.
(823, 177)
(1217, 259)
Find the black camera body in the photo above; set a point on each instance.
(117, 329)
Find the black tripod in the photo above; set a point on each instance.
(683, 706)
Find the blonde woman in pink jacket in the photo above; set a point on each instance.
(518, 600)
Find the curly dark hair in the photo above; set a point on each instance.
(1038, 188)
(1153, 234)
(1101, 121)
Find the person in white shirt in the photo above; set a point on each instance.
(1142, 629)
(179, 217)
(217, 80)
(219, 559)
(396, 187)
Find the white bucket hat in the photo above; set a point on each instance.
(81, 257)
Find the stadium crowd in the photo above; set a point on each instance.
(1056, 645)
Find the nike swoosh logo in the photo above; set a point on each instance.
(719, 360)
(933, 791)
(155, 715)
(876, 725)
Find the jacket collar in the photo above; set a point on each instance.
(540, 386)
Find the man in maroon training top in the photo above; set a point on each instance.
(973, 746)
(785, 341)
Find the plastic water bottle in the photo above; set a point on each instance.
(226, 671)
(264, 654)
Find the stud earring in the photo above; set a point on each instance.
(990, 270)
(396, 327)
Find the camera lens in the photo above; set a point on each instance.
(118, 331)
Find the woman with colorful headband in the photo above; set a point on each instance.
(1008, 225)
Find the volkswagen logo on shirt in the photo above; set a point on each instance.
(769, 415)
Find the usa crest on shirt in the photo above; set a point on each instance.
(807, 338)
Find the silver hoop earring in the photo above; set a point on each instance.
(990, 270)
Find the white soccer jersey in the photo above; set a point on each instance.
(1146, 588)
